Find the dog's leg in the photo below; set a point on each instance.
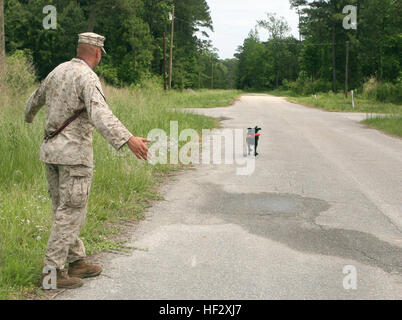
(255, 147)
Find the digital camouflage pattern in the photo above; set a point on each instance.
(69, 188)
(92, 39)
(71, 87)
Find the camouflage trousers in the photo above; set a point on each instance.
(69, 188)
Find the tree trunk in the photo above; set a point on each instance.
(164, 62)
(199, 77)
(357, 48)
(381, 47)
(212, 74)
(334, 58)
(151, 23)
(347, 70)
(134, 54)
(2, 43)
(91, 19)
(171, 52)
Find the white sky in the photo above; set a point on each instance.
(233, 20)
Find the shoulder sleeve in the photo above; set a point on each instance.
(35, 102)
(102, 117)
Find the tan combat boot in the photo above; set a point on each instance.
(81, 269)
(64, 281)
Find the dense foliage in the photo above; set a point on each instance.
(134, 32)
(317, 61)
(135, 28)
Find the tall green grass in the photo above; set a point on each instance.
(202, 98)
(391, 124)
(122, 185)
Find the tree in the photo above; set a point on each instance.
(2, 42)
(319, 60)
(133, 30)
(254, 66)
(278, 30)
(375, 45)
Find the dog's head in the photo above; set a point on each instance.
(254, 130)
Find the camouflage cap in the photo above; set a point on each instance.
(92, 39)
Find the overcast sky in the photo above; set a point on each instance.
(233, 20)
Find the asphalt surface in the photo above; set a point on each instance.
(326, 193)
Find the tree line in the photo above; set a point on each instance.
(135, 31)
(327, 56)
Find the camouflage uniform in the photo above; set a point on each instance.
(68, 157)
(69, 188)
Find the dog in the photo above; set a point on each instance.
(253, 136)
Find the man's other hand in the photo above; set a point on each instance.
(138, 147)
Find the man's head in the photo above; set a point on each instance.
(90, 48)
(91, 54)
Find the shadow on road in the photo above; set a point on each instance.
(290, 219)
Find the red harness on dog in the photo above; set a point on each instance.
(256, 135)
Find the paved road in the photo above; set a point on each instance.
(326, 193)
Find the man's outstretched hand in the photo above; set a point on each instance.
(138, 147)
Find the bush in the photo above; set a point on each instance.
(20, 73)
(383, 91)
(109, 74)
(304, 86)
(320, 86)
(149, 82)
(370, 88)
(286, 84)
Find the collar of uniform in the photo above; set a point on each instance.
(81, 61)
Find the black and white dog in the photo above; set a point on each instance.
(253, 136)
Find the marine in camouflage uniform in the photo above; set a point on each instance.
(71, 87)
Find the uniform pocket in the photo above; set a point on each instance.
(79, 187)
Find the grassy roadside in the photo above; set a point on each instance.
(202, 99)
(392, 123)
(338, 103)
(121, 189)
